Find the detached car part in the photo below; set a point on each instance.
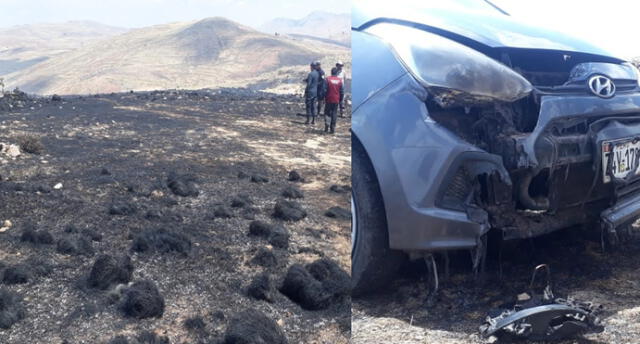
(543, 318)
(555, 321)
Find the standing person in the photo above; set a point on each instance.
(311, 94)
(340, 75)
(322, 87)
(335, 95)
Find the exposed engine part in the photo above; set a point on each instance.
(540, 317)
(540, 203)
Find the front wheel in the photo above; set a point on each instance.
(373, 263)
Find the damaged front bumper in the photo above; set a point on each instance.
(621, 216)
(556, 178)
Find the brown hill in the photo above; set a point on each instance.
(25, 45)
(209, 53)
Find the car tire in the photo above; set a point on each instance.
(373, 263)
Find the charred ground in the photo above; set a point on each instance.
(579, 269)
(173, 180)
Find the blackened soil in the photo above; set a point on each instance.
(155, 176)
(579, 269)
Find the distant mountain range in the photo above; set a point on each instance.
(88, 58)
(25, 45)
(323, 25)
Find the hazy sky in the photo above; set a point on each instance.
(139, 13)
(610, 24)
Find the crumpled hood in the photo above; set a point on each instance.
(495, 31)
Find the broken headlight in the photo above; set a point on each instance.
(447, 66)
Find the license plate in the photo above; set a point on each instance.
(623, 156)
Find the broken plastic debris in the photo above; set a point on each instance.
(543, 318)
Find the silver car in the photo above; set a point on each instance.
(466, 121)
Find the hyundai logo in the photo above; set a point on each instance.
(602, 86)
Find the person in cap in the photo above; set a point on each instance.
(335, 95)
(339, 67)
(311, 94)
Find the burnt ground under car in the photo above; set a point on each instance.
(579, 269)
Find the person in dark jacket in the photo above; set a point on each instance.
(335, 95)
(322, 87)
(311, 94)
(339, 66)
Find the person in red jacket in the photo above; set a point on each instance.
(335, 95)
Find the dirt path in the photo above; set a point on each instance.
(114, 156)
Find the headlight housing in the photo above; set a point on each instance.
(442, 65)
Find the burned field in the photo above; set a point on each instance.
(580, 270)
(172, 217)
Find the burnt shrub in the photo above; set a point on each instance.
(195, 324)
(71, 228)
(17, 274)
(144, 337)
(262, 288)
(40, 266)
(260, 228)
(258, 178)
(265, 258)
(30, 144)
(183, 185)
(222, 212)
(300, 286)
(147, 337)
(253, 326)
(317, 285)
(31, 235)
(294, 176)
(240, 201)
(292, 192)
(75, 246)
(340, 188)
(11, 309)
(331, 275)
(338, 213)
(279, 237)
(289, 211)
(92, 234)
(142, 300)
(161, 240)
(107, 271)
(122, 208)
